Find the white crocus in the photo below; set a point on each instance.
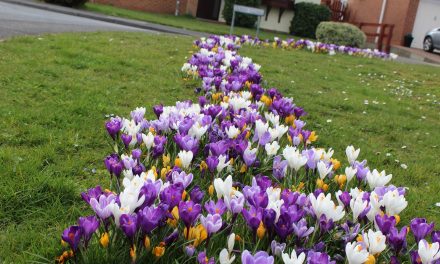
(350, 173)
(148, 140)
(352, 154)
(327, 155)
(358, 206)
(186, 158)
(222, 163)
(376, 179)
(375, 241)
(226, 256)
(261, 128)
(238, 103)
(323, 205)
(294, 158)
(428, 253)
(323, 170)
(293, 258)
(271, 117)
(197, 130)
(356, 254)
(272, 148)
(223, 188)
(232, 132)
(394, 202)
(277, 132)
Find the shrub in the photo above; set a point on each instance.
(70, 3)
(240, 19)
(307, 18)
(340, 34)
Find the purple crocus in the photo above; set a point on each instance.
(203, 259)
(435, 236)
(215, 208)
(279, 168)
(172, 195)
(149, 218)
(72, 235)
(189, 212)
(101, 204)
(212, 162)
(88, 225)
(196, 194)
(301, 230)
(277, 248)
(396, 239)
(253, 217)
(212, 223)
(113, 164)
(182, 177)
(91, 193)
(318, 258)
(129, 225)
(261, 257)
(158, 110)
(420, 228)
(385, 223)
(113, 126)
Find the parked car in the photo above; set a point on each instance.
(432, 40)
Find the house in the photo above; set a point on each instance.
(279, 13)
(408, 16)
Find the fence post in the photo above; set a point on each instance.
(390, 36)
(232, 23)
(381, 33)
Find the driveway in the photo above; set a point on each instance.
(23, 20)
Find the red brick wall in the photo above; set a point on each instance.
(401, 13)
(191, 7)
(155, 6)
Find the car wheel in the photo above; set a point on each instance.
(427, 44)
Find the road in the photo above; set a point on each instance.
(21, 20)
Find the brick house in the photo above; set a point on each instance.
(416, 16)
(408, 16)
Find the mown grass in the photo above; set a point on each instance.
(56, 91)
(184, 21)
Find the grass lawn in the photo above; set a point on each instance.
(186, 22)
(57, 89)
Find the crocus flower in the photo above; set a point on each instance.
(396, 239)
(113, 126)
(253, 217)
(428, 253)
(318, 258)
(277, 249)
(88, 226)
(72, 235)
(196, 194)
(203, 259)
(189, 212)
(420, 228)
(356, 253)
(212, 223)
(293, 258)
(261, 257)
(92, 193)
(102, 204)
(149, 218)
(215, 208)
(128, 224)
(384, 223)
(352, 154)
(279, 167)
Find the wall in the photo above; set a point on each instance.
(155, 6)
(427, 18)
(401, 13)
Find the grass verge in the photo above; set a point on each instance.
(57, 89)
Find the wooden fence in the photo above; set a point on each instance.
(382, 32)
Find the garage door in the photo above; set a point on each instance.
(427, 18)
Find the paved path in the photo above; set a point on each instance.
(23, 20)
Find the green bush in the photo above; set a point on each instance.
(340, 34)
(70, 3)
(307, 17)
(240, 19)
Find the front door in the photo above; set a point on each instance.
(208, 9)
